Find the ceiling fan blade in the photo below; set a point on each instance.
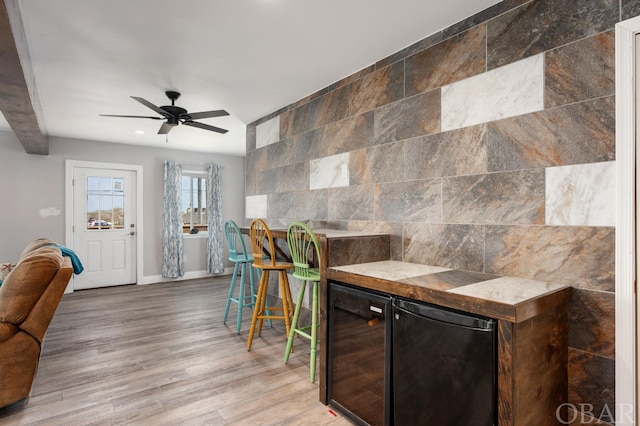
(205, 114)
(164, 129)
(150, 105)
(205, 126)
(131, 116)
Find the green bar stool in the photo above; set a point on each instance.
(304, 248)
(243, 261)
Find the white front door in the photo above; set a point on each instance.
(104, 228)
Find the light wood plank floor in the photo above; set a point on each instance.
(160, 355)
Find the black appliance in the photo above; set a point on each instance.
(401, 362)
(358, 354)
(444, 366)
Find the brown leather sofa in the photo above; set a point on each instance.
(29, 297)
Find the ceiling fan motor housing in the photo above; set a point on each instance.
(174, 112)
(172, 120)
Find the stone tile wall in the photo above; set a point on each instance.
(487, 147)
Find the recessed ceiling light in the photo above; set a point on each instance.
(140, 132)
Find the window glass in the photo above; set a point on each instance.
(194, 203)
(105, 203)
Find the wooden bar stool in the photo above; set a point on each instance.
(243, 260)
(264, 258)
(304, 248)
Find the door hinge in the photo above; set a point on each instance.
(635, 286)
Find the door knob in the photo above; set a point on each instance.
(132, 233)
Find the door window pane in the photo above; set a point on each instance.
(105, 203)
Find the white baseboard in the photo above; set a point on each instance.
(155, 279)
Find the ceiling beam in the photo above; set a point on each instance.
(16, 104)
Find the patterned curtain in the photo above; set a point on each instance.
(172, 238)
(215, 256)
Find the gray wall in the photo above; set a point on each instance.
(489, 146)
(30, 183)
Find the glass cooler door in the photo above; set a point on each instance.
(359, 340)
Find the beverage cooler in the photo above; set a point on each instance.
(401, 362)
(444, 367)
(358, 354)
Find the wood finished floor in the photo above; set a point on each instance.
(160, 355)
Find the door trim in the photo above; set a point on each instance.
(69, 166)
(625, 261)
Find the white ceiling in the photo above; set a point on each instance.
(250, 57)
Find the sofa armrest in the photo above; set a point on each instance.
(42, 313)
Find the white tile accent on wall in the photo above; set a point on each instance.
(268, 132)
(256, 207)
(329, 172)
(511, 90)
(581, 195)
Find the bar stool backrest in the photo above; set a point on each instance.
(305, 251)
(236, 241)
(264, 250)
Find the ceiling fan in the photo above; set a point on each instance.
(176, 115)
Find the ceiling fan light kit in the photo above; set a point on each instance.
(175, 115)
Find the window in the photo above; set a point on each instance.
(104, 203)
(194, 202)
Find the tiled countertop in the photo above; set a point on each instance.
(338, 233)
(511, 299)
(329, 233)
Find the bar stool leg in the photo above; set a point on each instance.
(294, 323)
(314, 329)
(286, 300)
(259, 306)
(262, 311)
(289, 297)
(232, 288)
(259, 275)
(252, 284)
(242, 296)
